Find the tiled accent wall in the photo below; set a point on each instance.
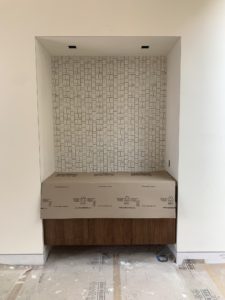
(109, 113)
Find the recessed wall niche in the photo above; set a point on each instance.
(107, 105)
(109, 113)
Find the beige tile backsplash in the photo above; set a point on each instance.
(109, 113)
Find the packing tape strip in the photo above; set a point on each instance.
(116, 278)
(216, 279)
(18, 285)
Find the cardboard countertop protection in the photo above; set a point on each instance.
(139, 177)
(108, 195)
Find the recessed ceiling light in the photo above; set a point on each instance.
(72, 47)
(145, 47)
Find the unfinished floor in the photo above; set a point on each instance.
(131, 273)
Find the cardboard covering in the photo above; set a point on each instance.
(108, 195)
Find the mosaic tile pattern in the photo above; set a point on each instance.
(109, 113)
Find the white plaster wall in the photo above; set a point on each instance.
(201, 25)
(45, 111)
(20, 225)
(201, 207)
(173, 109)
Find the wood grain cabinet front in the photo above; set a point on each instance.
(71, 232)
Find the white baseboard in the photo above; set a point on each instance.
(208, 257)
(22, 259)
(25, 259)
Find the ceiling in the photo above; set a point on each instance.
(108, 45)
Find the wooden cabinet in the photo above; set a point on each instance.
(61, 232)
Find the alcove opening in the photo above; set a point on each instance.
(106, 104)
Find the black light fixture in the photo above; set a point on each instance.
(145, 47)
(72, 46)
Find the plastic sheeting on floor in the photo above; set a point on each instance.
(112, 273)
